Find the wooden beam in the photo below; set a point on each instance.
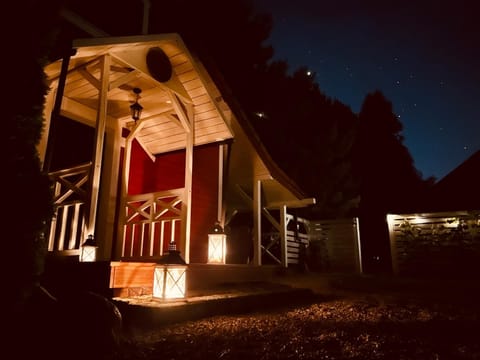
(90, 78)
(144, 147)
(174, 120)
(291, 203)
(132, 75)
(270, 218)
(179, 109)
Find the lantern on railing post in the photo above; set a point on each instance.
(170, 276)
(217, 245)
(88, 250)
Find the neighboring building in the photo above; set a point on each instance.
(458, 190)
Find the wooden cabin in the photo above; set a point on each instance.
(190, 159)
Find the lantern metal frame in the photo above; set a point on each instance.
(88, 250)
(136, 108)
(217, 245)
(170, 276)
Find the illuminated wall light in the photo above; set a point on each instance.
(217, 245)
(452, 222)
(419, 220)
(170, 276)
(88, 250)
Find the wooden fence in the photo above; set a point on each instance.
(335, 245)
(439, 244)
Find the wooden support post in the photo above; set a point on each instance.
(393, 243)
(98, 149)
(257, 222)
(187, 199)
(283, 236)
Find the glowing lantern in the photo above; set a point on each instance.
(170, 276)
(217, 245)
(88, 250)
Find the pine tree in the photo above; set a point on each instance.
(389, 181)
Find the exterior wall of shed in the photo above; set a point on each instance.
(168, 172)
(440, 244)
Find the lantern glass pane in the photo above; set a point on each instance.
(159, 282)
(216, 248)
(169, 282)
(88, 253)
(175, 282)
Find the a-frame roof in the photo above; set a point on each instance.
(459, 189)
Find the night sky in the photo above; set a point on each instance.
(423, 55)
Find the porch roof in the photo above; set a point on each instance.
(163, 101)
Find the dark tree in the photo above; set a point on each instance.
(27, 192)
(310, 135)
(389, 181)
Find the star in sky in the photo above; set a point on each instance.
(422, 53)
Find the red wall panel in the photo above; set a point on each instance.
(204, 200)
(168, 172)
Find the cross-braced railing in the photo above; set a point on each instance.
(150, 221)
(71, 198)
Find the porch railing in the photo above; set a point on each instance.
(152, 220)
(70, 189)
(297, 241)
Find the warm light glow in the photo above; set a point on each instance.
(169, 281)
(217, 249)
(88, 253)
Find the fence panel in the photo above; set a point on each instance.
(335, 245)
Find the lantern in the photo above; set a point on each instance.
(217, 245)
(136, 108)
(88, 250)
(170, 276)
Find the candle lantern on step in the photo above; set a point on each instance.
(170, 275)
(217, 245)
(88, 250)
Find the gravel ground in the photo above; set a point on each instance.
(342, 325)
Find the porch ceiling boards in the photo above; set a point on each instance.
(164, 103)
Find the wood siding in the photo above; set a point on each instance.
(204, 200)
(438, 244)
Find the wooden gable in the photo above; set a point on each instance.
(165, 103)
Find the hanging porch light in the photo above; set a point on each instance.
(136, 108)
(170, 276)
(217, 245)
(88, 250)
